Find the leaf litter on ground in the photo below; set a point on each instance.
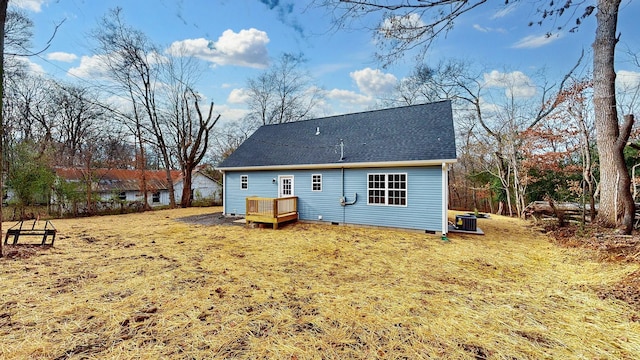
(149, 286)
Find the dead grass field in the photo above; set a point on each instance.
(147, 286)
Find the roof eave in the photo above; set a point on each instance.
(341, 165)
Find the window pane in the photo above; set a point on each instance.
(376, 188)
(316, 182)
(397, 185)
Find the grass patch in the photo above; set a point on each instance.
(148, 286)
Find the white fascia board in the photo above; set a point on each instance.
(378, 164)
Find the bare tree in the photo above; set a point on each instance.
(228, 138)
(29, 114)
(188, 129)
(404, 25)
(460, 82)
(77, 118)
(284, 93)
(576, 106)
(193, 141)
(412, 24)
(3, 18)
(134, 63)
(15, 32)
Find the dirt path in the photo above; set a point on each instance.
(215, 218)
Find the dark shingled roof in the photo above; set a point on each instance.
(409, 133)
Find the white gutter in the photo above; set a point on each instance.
(372, 164)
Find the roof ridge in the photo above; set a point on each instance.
(359, 113)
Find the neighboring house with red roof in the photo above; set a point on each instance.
(126, 184)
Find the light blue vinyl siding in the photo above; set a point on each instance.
(424, 200)
(424, 197)
(311, 204)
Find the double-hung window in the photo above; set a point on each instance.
(316, 182)
(387, 189)
(244, 182)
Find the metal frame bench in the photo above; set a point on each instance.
(19, 229)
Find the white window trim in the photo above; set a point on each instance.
(386, 188)
(320, 183)
(246, 178)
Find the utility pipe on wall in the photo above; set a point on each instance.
(343, 199)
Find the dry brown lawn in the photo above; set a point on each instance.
(148, 286)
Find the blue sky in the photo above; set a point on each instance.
(238, 39)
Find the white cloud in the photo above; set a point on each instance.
(505, 11)
(480, 28)
(61, 56)
(122, 103)
(626, 80)
(349, 97)
(35, 68)
(156, 58)
(246, 48)
(532, 41)
(33, 5)
(30, 65)
(90, 67)
(405, 26)
(488, 29)
(229, 114)
(515, 83)
(488, 108)
(340, 101)
(238, 96)
(374, 82)
(96, 66)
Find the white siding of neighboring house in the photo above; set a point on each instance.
(203, 188)
(135, 195)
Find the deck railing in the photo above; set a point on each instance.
(271, 210)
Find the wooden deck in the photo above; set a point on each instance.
(271, 210)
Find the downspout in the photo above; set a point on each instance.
(445, 200)
(344, 210)
(224, 193)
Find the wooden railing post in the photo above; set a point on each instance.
(275, 208)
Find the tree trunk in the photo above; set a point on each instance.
(3, 18)
(625, 224)
(89, 181)
(186, 189)
(587, 173)
(610, 138)
(142, 165)
(172, 194)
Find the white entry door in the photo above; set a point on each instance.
(285, 189)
